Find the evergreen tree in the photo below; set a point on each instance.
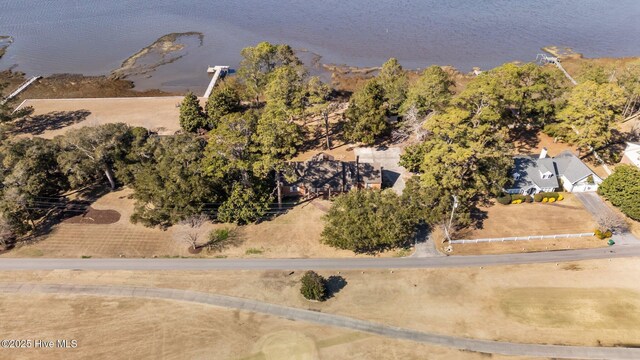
(431, 92)
(313, 286)
(622, 188)
(368, 221)
(224, 100)
(244, 205)
(366, 115)
(393, 80)
(192, 116)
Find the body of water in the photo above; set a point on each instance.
(95, 36)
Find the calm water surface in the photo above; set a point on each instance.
(95, 36)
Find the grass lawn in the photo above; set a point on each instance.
(565, 217)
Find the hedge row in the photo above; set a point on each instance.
(548, 197)
(507, 199)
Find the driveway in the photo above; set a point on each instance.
(596, 206)
(392, 173)
(296, 314)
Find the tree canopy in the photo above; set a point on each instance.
(366, 115)
(431, 92)
(368, 221)
(393, 81)
(192, 117)
(622, 188)
(224, 99)
(590, 111)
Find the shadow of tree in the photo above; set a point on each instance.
(334, 284)
(38, 124)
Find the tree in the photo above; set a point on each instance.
(368, 221)
(413, 157)
(88, 153)
(595, 73)
(170, 182)
(219, 239)
(318, 99)
(622, 188)
(191, 232)
(244, 205)
(192, 116)
(278, 137)
(393, 80)
(313, 286)
(366, 115)
(31, 182)
(259, 61)
(431, 92)
(590, 111)
(224, 100)
(286, 86)
(7, 233)
(467, 156)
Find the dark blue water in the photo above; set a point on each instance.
(95, 36)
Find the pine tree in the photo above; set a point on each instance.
(192, 116)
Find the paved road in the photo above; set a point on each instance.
(486, 346)
(617, 251)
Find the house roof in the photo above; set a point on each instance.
(323, 170)
(571, 167)
(529, 170)
(632, 152)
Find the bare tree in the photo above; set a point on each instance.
(611, 222)
(191, 232)
(412, 127)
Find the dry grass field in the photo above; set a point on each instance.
(584, 303)
(294, 234)
(566, 217)
(108, 328)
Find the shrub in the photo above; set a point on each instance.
(537, 197)
(560, 197)
(608, 234)
(544, 200)
(528, 199)
(504, 199)
(603, 235)
(552, 200)
(313, 286)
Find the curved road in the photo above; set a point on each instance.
(617, 251)
(486, 346)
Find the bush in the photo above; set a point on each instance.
(603, 235)
(219, 239)
(504, 199)
(538, 197)
(552, 200)
(560, 197)
(544, 200)
(313, 286)
(528, 199)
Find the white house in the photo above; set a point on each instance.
(632, 154)
(539, 173)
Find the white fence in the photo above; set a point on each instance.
(522, 238)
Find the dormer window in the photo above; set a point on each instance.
(516, 176)
(547, 175)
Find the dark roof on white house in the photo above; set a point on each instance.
(322, 170)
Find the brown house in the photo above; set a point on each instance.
(323, 175)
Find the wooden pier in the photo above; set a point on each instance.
(546, 59)
(21, 88)
(217, 71)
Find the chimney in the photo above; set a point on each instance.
(543, 153)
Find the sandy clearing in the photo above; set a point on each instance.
(156, 113)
